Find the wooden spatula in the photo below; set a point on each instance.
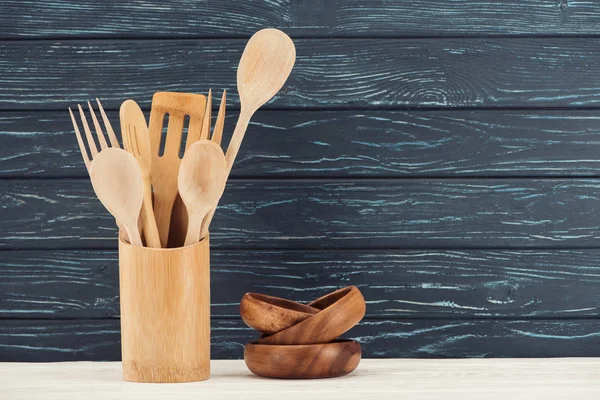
(201, 182)
(165, 165)
(136, 141)
(265, 65)
(117, 181)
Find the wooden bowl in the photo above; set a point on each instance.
(340, 311)
(310, 361)
(268, 314)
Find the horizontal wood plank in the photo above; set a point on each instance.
(301, 214)
(341, 144)
(328, 73)
(99, 340)
(348, 18)
(412, 284)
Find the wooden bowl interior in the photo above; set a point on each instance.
(284, 303)
(331, 298)
(269, 315)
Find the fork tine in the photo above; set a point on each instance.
(207, 117)
(220, 123)
(84, 154)
(88, 134)
(99, 133)
(109, 129)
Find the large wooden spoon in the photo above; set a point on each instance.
(117, 181)
(201, 181)
(265, 65)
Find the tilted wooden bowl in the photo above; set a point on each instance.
(310, 361)
(269, 314)
(340, 311)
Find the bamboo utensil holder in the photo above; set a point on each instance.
(165, 312)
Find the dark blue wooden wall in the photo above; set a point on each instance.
(443, 156)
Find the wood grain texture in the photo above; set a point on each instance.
(360, 73)
(344, 144)
(324, 360)
(271, 314)
(348, 18)
(456, 284)
(301, 214)
(99, 340)
(165, 313)
(477, 239)
(340, 311)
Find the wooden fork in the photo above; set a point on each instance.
(216, 137)
(87, 159)
(88, 134)
(134, 132)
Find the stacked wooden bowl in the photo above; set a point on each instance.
(303, 340)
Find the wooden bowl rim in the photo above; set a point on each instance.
(281, 303)
(331, 298)
(337, 341)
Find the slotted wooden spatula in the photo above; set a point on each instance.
(165, 164)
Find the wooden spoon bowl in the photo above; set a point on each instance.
(340, 311)
(269, 314)
(311, 361)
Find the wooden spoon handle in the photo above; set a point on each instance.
(148, 218)
(232, 151)
(163, 206)
(237, 138)
(134, 235)
(193, 230)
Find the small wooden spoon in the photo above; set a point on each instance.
(201, 181)
(117, 181)
(265, 65)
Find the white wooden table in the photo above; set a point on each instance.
(566, 378)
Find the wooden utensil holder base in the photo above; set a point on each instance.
(165, 312)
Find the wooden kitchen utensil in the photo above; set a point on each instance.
(201, 181)
(328, 360)
(93, 150)
(265, 65)
(269, 314)
(117, 181)
(165, 312)
(137, 142)
(165, 162)
(217, 134)
(340, 311)
(205, 134)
